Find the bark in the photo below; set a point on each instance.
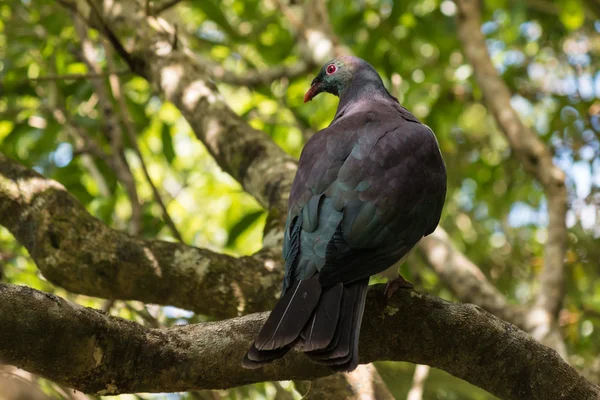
(81, 254)
(88, 350)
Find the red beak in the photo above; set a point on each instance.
(312, 92)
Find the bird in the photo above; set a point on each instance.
(367, 189)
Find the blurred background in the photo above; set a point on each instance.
(54, 84)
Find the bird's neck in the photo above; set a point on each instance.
(363, 87)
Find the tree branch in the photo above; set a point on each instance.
(465, 279)
(536, 158)
(164, 6)
(80, 253)
(93, 352)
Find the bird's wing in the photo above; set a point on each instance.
(363, 197)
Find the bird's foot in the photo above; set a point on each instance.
(392, 286)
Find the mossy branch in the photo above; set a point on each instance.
(96, 353)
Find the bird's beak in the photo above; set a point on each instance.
(314, 90)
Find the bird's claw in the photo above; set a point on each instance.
(392, 286)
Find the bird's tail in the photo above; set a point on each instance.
(323, 322)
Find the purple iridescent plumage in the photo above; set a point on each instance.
(368, 188)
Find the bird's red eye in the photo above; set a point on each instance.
(331, 69)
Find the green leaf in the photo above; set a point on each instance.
(571, 13)
(167, 143)
(242, 225)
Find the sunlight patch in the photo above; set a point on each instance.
(195, 91)
(169, 79)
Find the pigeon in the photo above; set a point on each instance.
(367, 189)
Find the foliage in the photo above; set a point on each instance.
(548, 54)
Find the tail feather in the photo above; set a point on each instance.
(342, 353)
(289, 316)
(339, 345)
(255, 358)
(323, 323)
(349, 361)
(320, 329)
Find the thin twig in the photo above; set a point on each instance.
(130, 131)
(83, 142)
(164, 6)
(254, 78)
(144, 314)
(281, 393)
(107, 305)
(112, 38)
(112, 129)
(71, 6)
(65, 77)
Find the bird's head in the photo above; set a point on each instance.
(335, 76)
